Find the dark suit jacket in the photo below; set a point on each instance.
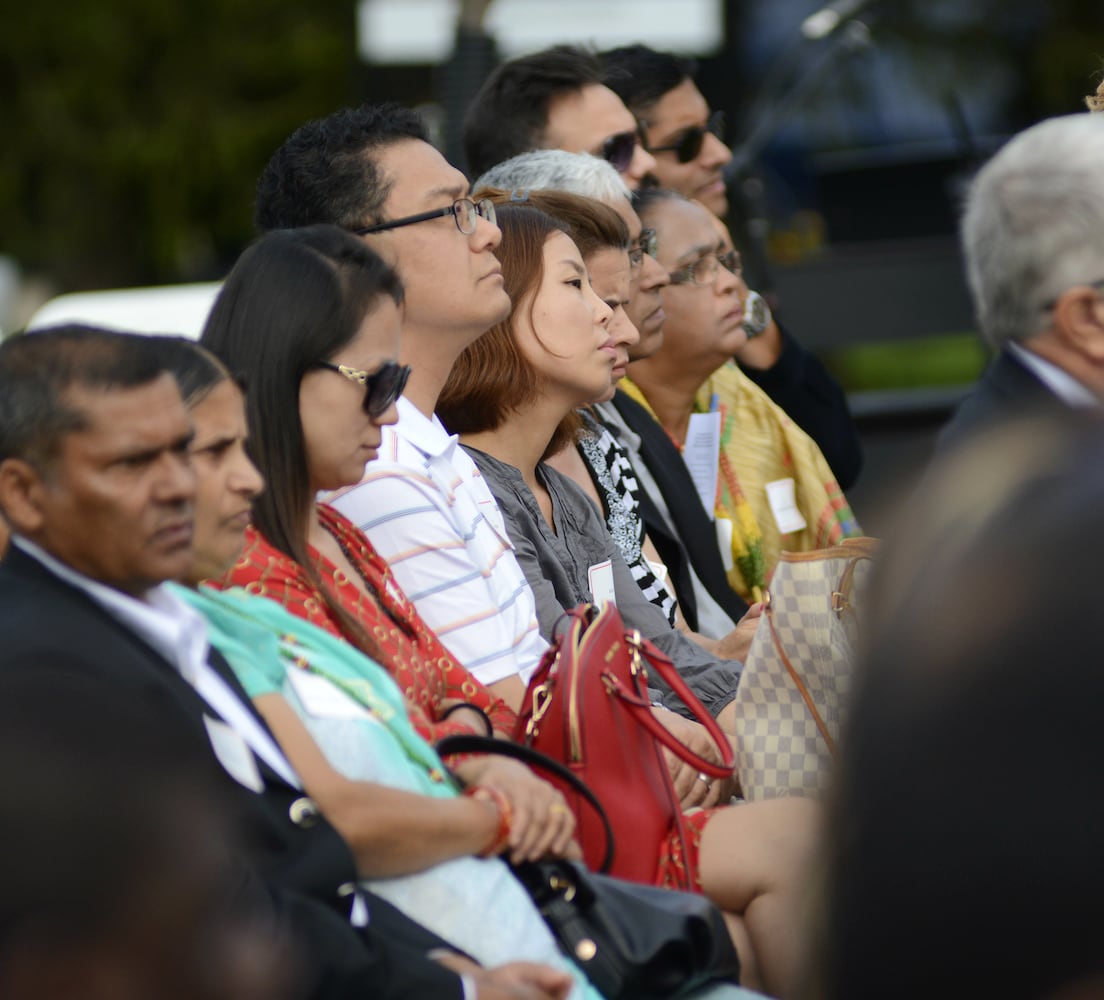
(52, 628)
(696, 543)
(1006, 391)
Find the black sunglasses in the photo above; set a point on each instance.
(689, 144)
(619, 148)
(381, 387)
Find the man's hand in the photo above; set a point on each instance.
(690, 786)
(541, 822)
(514, 981)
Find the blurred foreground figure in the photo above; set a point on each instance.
(117, 864)
(1033, 238)
(965, 839)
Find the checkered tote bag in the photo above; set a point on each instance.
(797, 675)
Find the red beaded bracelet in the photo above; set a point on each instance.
(505, 816)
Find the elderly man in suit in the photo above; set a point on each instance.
(1033, 235)
(96, 485)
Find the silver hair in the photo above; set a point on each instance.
(1034, 224)
(557, 170)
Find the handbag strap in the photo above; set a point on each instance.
(527, 755)
(641, 710)
(800, 684)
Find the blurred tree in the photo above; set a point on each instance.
(133, 131)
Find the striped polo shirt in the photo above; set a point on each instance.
(425, 507)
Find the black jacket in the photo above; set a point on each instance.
(1007, 390)
(305, 866)
(696, 543)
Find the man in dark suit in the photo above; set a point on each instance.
(96, 485)
(1033, 236)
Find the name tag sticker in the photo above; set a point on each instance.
(783, 504)
(724, 542)
(600, 576)
(323, 699)
(701, 453)
(234, 754)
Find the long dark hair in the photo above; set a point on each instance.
(295, 297)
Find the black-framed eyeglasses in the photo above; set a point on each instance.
(465, 213)
(689, 144)
(381, 387)
(704, 270)
(645, 243)
(619, 148)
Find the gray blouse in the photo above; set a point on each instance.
(556, 565)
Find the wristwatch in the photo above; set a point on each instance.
(757, 314)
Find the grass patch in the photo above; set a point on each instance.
(943, 360)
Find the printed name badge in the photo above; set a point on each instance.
(323, 699)
(701, 453)
(783, 504)
(600, 576)
(234, 754)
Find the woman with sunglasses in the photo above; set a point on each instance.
(775, 491)
(419, 842)
(512, 397)
(309, 321)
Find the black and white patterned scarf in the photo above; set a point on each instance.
(615, 479)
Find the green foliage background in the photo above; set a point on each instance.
(134, 130)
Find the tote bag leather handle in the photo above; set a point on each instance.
(800, 685)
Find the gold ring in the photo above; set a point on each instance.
(558, 808)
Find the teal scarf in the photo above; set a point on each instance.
(263, 642)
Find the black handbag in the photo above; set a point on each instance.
(633, 941)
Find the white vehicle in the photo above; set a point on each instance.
(173, 310)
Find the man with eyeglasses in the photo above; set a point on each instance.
(553, 99)
(686, 140)
(1033, 239)
(422, 502)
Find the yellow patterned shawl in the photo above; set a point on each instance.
(761, 444)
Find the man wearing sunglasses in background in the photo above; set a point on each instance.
(553, 99)
(422, 502)
(686, 141)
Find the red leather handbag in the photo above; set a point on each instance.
(587, 706)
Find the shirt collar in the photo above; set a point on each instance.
(159, 618)
(427, 434)
(1057, 380)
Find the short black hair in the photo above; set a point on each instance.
(640, 76)
(196, 370)
(509, 114)
(38, 369)
(322, 175)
